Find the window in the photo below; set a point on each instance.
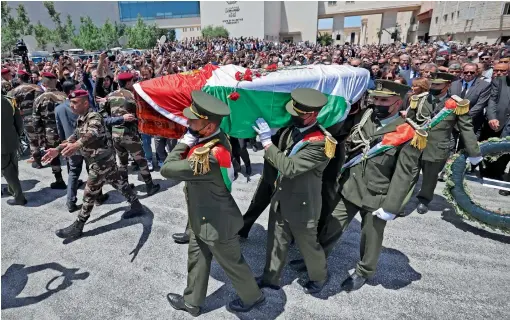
(150, 10)
(445, 17)
(452, 15)
(331, 3)
(349, 2)
(191, 29)
(437, 20)
(506, 9)
(458, 14)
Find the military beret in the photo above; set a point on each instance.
(5, 70)
(48, 75)
(206, 106)
(387, 88)
(441, 77)
(125, 76)
(23, 73)
(77, 94)
(305, 100)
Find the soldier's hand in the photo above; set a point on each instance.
(264, 132)
(70, 149)
(49, 155)
(100, 100)
(129, 117)
(494, 124)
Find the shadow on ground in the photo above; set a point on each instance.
(16, 278)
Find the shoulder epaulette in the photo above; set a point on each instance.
(415, 98)
(330, 147)
(199, 159)
(462, 105)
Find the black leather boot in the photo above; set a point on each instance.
(59, 182)
(72, 207)
(101, 199)
(135, 210)
(73, 231)
(152, 188)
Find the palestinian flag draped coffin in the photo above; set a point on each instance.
(249, 93)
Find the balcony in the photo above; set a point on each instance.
(359, 8)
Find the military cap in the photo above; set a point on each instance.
(388, 88)
(305, 100)
(77, 94)
(23, 73)
(206, 106)
(5, 70)
(441, 77)
(48, 75)
(125, 76)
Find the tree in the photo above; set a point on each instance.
(141, 35)
(171, 35)
(325, 39)
(89, 35)
(214, 32)
(60, 34)
(42, 35)
(14, 28)
(109, 35)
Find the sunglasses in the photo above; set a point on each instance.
(469, 72)
(499, 70)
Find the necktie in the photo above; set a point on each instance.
(464, 90)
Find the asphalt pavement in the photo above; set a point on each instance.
(433, 266)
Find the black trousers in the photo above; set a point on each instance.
(239, 151)
(496, 169)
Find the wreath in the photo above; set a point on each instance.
(457, 194)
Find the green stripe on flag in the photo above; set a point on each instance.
(226, 178)
(252, 105)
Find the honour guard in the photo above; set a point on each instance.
(202, 159)
(91, 139)
(376, 178)
(438, 114)
(296, 164)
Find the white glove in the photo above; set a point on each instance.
(383, 214)
(475, 160)
(263, 131)
(188, 139)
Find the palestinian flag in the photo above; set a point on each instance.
(263, 94)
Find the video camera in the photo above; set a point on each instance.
(21, 48)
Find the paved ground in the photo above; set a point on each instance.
(434, 266)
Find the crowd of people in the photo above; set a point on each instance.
(85, 111)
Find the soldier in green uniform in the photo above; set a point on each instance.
(202, 159)
(126, 138)
(439, 114)
(45, 125)
(297, 163)
(25, 95)
(376, 178)
(91, 139)
(11, 130)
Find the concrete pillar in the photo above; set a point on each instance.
(363, 35)
(388, 22)
(338, 29)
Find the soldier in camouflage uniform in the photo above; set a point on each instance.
(6, 81)
(45, 126)
(126, 138)
(91, 139)
(25, 95)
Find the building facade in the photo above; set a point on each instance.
(471, 21)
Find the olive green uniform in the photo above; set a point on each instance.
(296, 203)
(214, 220)
(437, 151)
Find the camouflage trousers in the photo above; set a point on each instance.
(101, 172)
(131, 144)
(33, 137)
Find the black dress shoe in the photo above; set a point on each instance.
(312, 287)
(81, 183)
(354, 282)
(177, 302)
(180, 238)
(14, 202)
(298, 265)
(135, 210)
(73, 231)
(237, 305)
(101, 199)
(263, 284)
(59, 184)
(504, 193)
(422, 209)
(72, 207)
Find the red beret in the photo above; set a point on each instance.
(125, 76)
(48, 75)
(77, 94)
(5, 70)
(23, 73)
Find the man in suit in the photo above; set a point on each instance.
(476, 91)
(498, 116)
(431, 110)
(295, 166)
(403, 69)
(375, 186)
(12, 127)
(415, 70)
(202, 159)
